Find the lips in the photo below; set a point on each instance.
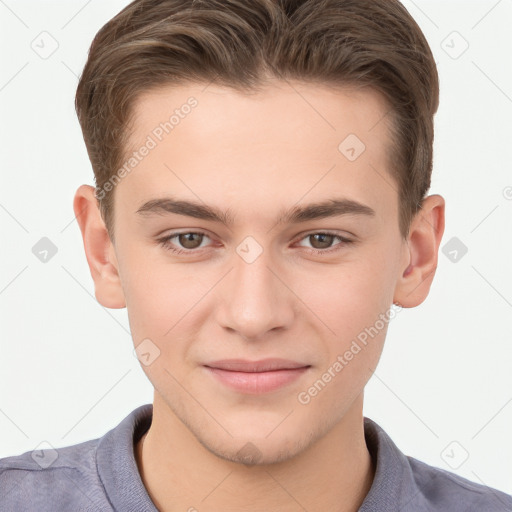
(264, 365)
(255, 377)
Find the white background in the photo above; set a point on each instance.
(443, 389)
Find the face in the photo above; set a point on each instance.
(301, 259)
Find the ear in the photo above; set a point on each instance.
(99, 249)
(421, 253)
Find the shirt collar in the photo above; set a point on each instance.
(393, 486)
(116, 464)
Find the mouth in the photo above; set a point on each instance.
(255, 377)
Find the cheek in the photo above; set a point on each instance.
(353, 302)
(355, 314)
(163, 315)
(160, 299)
(349, 296)
(157, 293)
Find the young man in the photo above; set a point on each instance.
(261, 176)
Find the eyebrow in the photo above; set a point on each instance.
(298, 214)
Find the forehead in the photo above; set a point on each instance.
(212, 141)
(304, 108)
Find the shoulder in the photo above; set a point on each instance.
(85, 477)
(404, 483)
(52, 479)
(449, 491)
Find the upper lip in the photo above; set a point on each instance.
(263, 365)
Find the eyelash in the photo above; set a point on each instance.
(166, 242)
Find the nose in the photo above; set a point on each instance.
(255, 298)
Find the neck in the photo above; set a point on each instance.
(335, 473)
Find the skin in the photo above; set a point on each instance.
(257, 155)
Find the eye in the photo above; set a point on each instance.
(189, 241)
(322, 242)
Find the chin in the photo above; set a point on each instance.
(254, 454)
(258, 450)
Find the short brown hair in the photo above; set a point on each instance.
(239, 44)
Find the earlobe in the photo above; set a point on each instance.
(99, 250)
(421, 253)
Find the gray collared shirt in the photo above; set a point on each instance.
(102, 475)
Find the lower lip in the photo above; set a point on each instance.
(257, 382)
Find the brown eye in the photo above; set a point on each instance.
(190, 240)
(321, 240)
(324, 243)
(185, 243)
